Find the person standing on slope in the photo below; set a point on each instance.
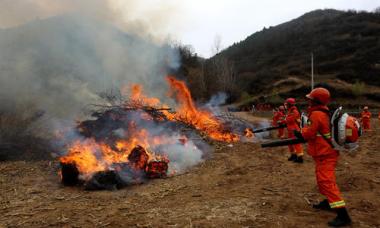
(317, 133)
(279, 119)
(293, 120)
(366, 119)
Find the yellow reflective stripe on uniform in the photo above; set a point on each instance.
(327, 135)
(338, 204)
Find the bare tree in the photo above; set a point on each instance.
(217, 45)
(225, 74)
(197, 83)
(377, 10)
(222, 69)
(202, 78)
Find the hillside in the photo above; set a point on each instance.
(276, 60)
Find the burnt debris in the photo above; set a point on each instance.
(137, 170)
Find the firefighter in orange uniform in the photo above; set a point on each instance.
(279, 119)
(366, 119)
(318, 136)
(292, 120)
(275, 117)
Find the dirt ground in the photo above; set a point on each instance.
(240, 186)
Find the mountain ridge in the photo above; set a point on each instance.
(345, 45)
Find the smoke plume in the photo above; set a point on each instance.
(143, 17)
(57, 55)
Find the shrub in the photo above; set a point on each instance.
(244, 97)
(358, 88)
(275, 99)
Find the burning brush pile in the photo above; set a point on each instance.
(140, 139)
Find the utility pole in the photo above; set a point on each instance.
(312, 71)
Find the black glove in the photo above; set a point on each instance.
(281, 124)
(298, 135)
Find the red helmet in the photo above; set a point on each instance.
(290, 101)
(281, 108)
(319, 95)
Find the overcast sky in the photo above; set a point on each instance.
(234, 20)
(193, 22)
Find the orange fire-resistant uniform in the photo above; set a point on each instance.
(366, 119)
(318, 135)
(279, 118)
(293, 119)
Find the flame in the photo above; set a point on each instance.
(248, 133)
(138, 97)
(91, 156)
(190, 114)
(83, 154)
(187, 112)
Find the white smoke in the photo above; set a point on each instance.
(182, 157)
(265, 134)
(148, 17)
(68, 51)
(215, 102)
(58, 55)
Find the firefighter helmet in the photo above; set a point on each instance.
(319, 95)
(290, 101)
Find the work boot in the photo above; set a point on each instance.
(299, 159)
(342, 218)
(323, 205)
(292, 157)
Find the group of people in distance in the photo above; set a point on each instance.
(317, 134)
(289, 116)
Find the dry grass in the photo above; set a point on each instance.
(240, 186)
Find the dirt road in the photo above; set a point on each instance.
(240, 186)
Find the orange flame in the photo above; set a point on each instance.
(248, 133)
(83, 154)
(187, 112)
(90, 156)
(200, 119)
(138, 97)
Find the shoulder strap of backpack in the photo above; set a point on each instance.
(327, 140)
(329, 113)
